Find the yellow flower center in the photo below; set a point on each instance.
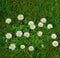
(19, 33)
(20, 16)
(8, 35)
(55, 43)
(12, 46)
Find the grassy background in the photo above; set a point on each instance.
(32, 10)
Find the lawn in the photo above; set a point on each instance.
(32, 10)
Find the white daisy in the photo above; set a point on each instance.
(32, 27)
(8, 35)
(22, 46)
(20, 17)
(31, 48)
(30, 23)
(8, 20)
(12, 46)
(49, 26)
(53, 36)
(43, 20)
(27, 34)
(40, 24)
(19, 33)
(55, 43)
(39, 33)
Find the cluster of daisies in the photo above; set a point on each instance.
(19, 34)
(32, 26)
(13, 47)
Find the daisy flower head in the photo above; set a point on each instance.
(27, 34)
(8, 35)
(20, 17)
(32, 27)
(8, 20)
(19, 33)
(22, 46)
(31, 48)
(12, 46)
(43, 20)
(55, 43)
(53, 36)
(40, 24)
(30, 23)
(49, 26)
(39, 33)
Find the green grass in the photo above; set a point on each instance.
(32, 10)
